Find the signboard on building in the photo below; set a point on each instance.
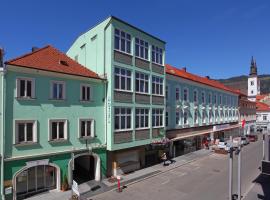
(220, 127)
(37, 162)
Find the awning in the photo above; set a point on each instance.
(197, 133)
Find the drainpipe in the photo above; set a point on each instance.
(106, 82)
(2, 132)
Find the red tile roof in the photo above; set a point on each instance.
(260, 97)
(50, 59)
(203, 80)
(262, 106)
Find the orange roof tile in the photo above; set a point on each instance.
(203, 80)
(260, 97)
(262, 106)
(50, 59)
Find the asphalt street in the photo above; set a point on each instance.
(203, 179)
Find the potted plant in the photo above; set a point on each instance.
(65, 183)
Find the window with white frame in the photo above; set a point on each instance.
(209, 98)
(177, 94)
(122, 41)
(141, 48)
(122, 119)
(185, 94)
(157, 85)
(25, 88)
(251, 82)
(86, 128)
(86, 92)
(122, 79)
(203, 97)
(203, 116)
(220, 99)
(142, 82)
(196, 121)
(195, 96)
(157, 117)
(167, 118)
(58, 129)
(58, 90)
(264, 117)
(142, 118)
(26, 131)
(177, 117)
(215, 99)
(185, 117)
(157, 55)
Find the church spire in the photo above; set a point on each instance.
(253, 67)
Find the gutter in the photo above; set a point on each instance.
(106, 83)
(3, 71)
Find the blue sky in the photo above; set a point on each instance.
(209, 37)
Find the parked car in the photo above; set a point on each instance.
(244, 141)
(224, 145)
(236, 142)
(252, 138)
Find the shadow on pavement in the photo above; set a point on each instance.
(264, 181)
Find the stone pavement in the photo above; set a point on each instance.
(128, 179)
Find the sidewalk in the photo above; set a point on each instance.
(128, 179)
(260, 190)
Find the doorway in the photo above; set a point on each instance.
(84, 169)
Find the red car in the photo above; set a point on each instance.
(252, 138)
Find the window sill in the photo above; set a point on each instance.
(127, 91)
(161, 65)
(57, 100)
(85, 101)
(122, 130)
(123, 52)
(142, 93)
(58, 141)
(143, 59)
(87, 138)
(144, 128)
(156, 127)
(26, 98)
(158, 95)
(22, 144)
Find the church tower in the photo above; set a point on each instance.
(253, 81)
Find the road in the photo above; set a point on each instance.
(203, 179)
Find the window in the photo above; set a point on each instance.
(177, 117)
(195, 96)
(185, 94)
(264, 117)
(215, 99)
(122, 79)
(203, 97)
(157, 117)
(225, 100)
(25, 88)
(167, 118)
(203, 116)
(122, 41)
(141, 49)
(142, 83)
(157, 85)
(122, 118)
(196, 117)
(157, 56)
(85, 92)
(25, 131)
(220, 99)
(252, 83)
(86, 128)
(58, 129)
(210, 117)
(252, 92)
(185, 117)
(209, 98)
(216, 116)
(142, 118)
(57, 90)
(167, 92)
(177, 94)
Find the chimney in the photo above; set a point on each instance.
(184, 69)
(208, 77)
(34, 49)
(1, 57)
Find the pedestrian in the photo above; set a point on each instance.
(164, 158)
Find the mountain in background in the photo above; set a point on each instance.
(240, 82)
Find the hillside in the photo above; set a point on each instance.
(240, 82)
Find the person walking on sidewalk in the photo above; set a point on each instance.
(164, 158)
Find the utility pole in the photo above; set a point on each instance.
(230, 170)
(263, 146)
(239, 172)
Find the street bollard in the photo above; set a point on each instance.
(118, 183)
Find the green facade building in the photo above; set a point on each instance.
(132, 61)
(51, 108)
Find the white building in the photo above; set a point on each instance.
(253, 82)
(263, 116)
